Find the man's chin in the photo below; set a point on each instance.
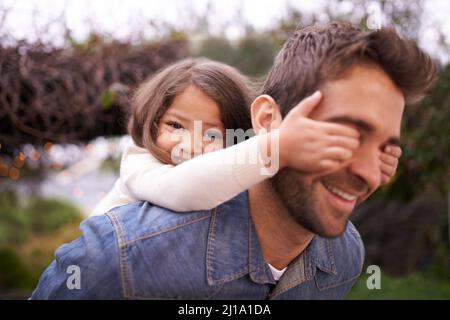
(326, 224)
(332, 211)
(311, 205)
(333, 230)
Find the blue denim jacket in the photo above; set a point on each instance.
(142, 251)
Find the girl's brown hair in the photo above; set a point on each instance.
(222, 83)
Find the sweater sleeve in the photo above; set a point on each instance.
(201, 183)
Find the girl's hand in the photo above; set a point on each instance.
(314, 146)
(389, 161)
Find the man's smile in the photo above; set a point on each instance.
(335, 200)
(340, 193)
(341, 196)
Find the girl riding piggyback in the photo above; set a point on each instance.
(180, 156)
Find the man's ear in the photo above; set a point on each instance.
(265, 113)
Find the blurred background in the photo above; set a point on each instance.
(66, 71)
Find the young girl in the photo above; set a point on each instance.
(176, 157)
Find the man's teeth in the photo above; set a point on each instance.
(340, 193)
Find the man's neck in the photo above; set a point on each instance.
(281, 238)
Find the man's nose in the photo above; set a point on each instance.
(366, 165)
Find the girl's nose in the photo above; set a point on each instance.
(191, 143)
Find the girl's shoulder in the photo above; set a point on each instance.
(136, 158)
(132, 148)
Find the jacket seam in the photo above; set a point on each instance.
(123, 260)
(209, 252)
(257, 269)
(331, 257)
(362, 250)
(150, 235)
(337, 284)
(216, 291)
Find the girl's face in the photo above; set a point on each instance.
(191, 126)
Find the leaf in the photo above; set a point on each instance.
(107, 100)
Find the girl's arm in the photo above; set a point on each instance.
(201, 183)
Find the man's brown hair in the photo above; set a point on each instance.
(222, 83)
(316, 54)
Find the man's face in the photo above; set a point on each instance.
(365, 99)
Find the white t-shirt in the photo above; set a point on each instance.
(276, 273)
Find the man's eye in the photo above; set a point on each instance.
(174, 125)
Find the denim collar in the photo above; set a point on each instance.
(233, 249)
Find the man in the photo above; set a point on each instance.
(294, 225)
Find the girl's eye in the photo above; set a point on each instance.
(174, 125)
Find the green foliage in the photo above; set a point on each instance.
(21, 227)
(426, 144)
(441, 265)
(415, 286)
(14, 224)
(48, 215)
(93, 42)
(177, 35)
(13, 271)
(111, 164)
(38, 216)
(253, 55)
(107, 99)
(219, 49)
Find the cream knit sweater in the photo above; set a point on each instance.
(201, 183)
